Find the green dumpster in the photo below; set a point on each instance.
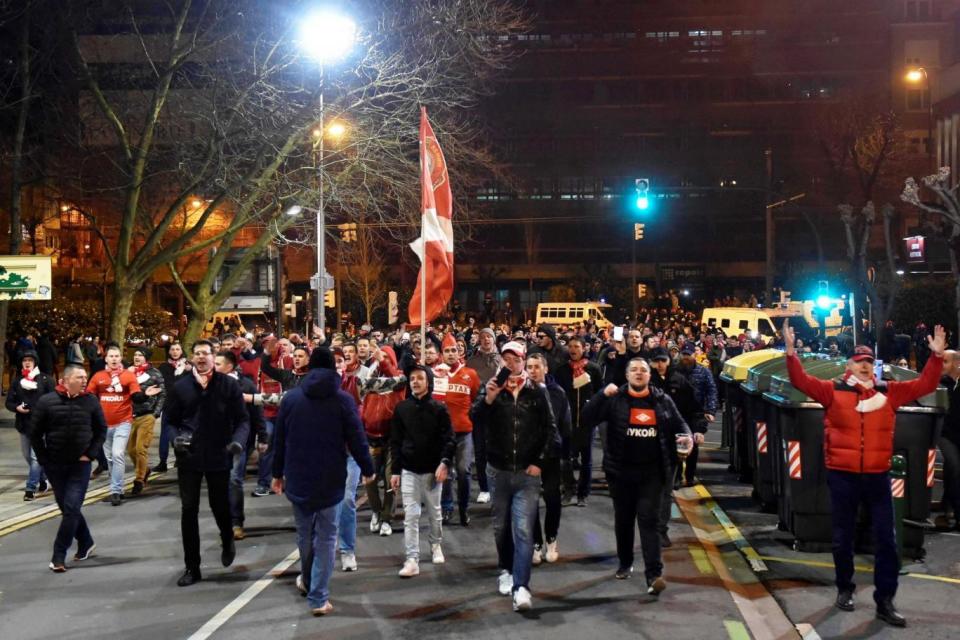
(804, 505)
(735, 371)
(763, 434)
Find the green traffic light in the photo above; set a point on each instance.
(643, 203)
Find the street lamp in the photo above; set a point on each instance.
(325, 36)
(915, 76)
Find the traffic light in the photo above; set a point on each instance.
(823, 295)
(643, 193)
(290, 310)
(638, 231)
(330, 298)
(641, 291)
(348, 231)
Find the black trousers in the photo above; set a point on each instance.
(218, 494)
(690, 470)
(951, 476)
(550, 477)
(636, 502)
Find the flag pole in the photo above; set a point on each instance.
(423, 251)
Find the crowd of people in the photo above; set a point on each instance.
(414, 422)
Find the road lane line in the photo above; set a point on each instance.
(756, 562)
(736, 630)
(701, 560)
(42, 514)
(860, 567)
(760, 611)
(244, 598)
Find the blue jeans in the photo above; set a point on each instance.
(35, 473)
(847, 491)
(163, 450)
(461, 473)
(265, 465)
(115, 448)
(69, 488)
(347, 509)
(237, 472)
(515, 495)
(316, 539)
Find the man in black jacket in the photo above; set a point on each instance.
(675, 385)
(24, 393)
(520, 430)
(550, 473)
(226, 363)
(580, 380)
(147, 407)
(421, 448)
(555, 354)
(644, 433)
(67, 431)
(209, 424)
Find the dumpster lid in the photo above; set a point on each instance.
(736, 368)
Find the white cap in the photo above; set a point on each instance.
(514, 347)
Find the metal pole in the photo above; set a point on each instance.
(423, 293)
(634, 272)
(770, 231)
(321, 240)
(929, 122)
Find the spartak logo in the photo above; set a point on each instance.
(436, 167)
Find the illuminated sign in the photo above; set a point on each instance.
(916, 249)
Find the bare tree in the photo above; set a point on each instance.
(364, 270)
(944, 218)
(221, 110)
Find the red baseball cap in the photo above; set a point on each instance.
(862, 352)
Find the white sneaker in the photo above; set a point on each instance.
(553, 553)
(437, 554)
(483, 498)
(505, 583)
(302, 589)
(410, 568)
(348, 561)
(385, 529)
(537, 556)
(374, 523)
(522, 600)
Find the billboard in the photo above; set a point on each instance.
(26, 278)
(916, 249)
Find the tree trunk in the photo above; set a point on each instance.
(120, 310)
(199, 313)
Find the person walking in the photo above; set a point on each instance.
(67, 429)
(644, 433)
(209, 424)
(24, 392)
(580, 379)
(316, 426)
(172, 369)
(422, 445)
(115, 387)
(520, 430)
(550, 475)
(859, 418)
(147, 407)
(486, 362)
(705, 392)
(950, 436)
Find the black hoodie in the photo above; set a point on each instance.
(422, 434)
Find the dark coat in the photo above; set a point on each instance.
(258, 426)
(17, 395)
(615, 412)
(581, 433)
(421, 436)
(521, 431)
(63, 428)
(680, 391)
(143, 404)
(213, 417)
(561, 411)
(316, 425)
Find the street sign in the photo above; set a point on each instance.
(26, 278)
(328, 282)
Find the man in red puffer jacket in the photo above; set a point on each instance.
(860, 413)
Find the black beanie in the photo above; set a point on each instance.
(321, 358)
(549, 331)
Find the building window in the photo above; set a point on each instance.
(918, 10)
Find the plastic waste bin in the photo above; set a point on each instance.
(734, 434)
(804, 505)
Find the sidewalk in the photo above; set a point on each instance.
(14, 512)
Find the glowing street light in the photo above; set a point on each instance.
(916, 75)
(326, 36)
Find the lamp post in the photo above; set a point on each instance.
(914, 76)
(327, 37)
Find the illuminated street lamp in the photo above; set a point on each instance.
(916, 76)
(326, 36)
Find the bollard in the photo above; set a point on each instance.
(898, 481)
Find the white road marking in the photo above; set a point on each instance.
(244, 598)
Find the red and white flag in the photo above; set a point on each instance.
(434, 247)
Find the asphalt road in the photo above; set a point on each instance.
(129, 589)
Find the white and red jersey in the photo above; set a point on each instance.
(457, 387)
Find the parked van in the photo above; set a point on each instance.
(736, 320)
(573, 313)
